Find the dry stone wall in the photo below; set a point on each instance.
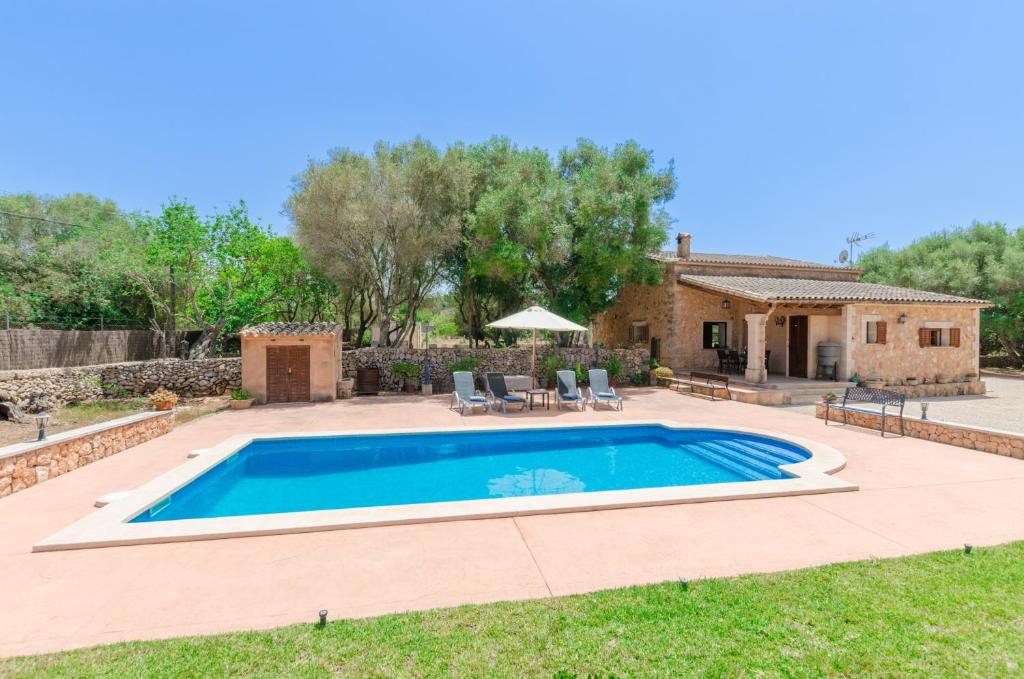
(44, 389)
(512, 361)
(976, 438)
(21, 470)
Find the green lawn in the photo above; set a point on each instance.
(942, 614)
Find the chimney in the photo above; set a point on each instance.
(683, 245)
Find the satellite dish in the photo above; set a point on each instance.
(843, 257)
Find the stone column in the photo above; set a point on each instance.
(755, 348)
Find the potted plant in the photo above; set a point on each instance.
(407, 372)
(162, 399)
(829, 397)
(615, 371)
(549, 365)
(240, 399)
(943, 379)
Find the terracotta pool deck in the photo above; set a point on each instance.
(915, 496)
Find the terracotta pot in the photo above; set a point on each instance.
(163, 405)
(241, 403)
(410, 388)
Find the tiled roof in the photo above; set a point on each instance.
(745, 260)
(801, 289)
(291, 329)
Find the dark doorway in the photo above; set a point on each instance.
(798, 346)
(287, 374)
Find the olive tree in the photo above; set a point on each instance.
(385, 220)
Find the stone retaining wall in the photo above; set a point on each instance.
(936, 389)
(976, 438)
(24, 465)
(48, 388)
(512, 361)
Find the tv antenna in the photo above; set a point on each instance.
(853, 240)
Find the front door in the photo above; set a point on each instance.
(798, 346)
(287, 374)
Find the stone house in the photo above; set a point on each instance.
(779, 314)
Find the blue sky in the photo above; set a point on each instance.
(791, 124)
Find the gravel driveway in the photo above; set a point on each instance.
(1002, 406)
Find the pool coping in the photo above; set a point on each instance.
(109, 527)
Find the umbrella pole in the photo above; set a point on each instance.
(533, 364)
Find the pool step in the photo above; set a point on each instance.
(751, 463)
(773, 454)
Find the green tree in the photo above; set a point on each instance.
(614, 220)
(57, 259)
(985, 261)
(215, 273)
(382, 222)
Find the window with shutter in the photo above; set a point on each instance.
(954, 337)
(880, 332)
(924, 337)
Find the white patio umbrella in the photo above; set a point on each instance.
(536, 318)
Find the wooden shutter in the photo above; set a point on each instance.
(924, 337)
(880, 332)
(707, 335)
(954, 337)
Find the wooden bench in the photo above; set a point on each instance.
(703, 384)
(882, 397)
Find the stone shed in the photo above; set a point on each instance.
(289, 362)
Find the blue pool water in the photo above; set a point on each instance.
(304, 474)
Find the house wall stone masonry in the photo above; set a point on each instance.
(976, 438)
(901, 356)
(511, 361)
(21, 468)
(47, 388)
(675, 314)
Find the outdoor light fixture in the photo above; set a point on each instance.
(323, 617)
(726, 304)
(968, 547)
(902, 319)
(780, 320)
(924, 410)
(41, 419)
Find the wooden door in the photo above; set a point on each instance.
(798, 346)
(298, 373)
(287, 374)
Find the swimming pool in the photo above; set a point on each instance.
(343, 472)
(291, 482)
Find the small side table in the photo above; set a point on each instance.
(531, 398)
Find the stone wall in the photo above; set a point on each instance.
(27, 349)
(976, 438)
(44, 389)
(26, 464)
(512, 361)
(1000, 362)
(902, 356)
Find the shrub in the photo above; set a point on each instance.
(614, 367)
(582, 377)
(638, 378)
(662, 373)
(550, 364)
(240, 395)
(115, 390)
(464, 364)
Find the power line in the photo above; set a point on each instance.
(45, 219)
